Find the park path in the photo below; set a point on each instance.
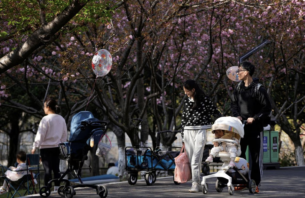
(279, 183)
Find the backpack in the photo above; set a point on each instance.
(266, 119)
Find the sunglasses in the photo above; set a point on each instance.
(240, 70)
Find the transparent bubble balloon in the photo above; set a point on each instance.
(232, 73)
(101, 63)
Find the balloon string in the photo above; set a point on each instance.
(91, 94)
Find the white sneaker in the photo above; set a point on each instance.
(56, 188)
(195, 188)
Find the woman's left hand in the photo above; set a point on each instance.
(33, 150)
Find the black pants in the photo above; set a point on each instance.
(50, 161)
(254, 139)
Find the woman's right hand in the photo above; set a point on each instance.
(33, 151)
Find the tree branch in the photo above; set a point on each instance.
(32, 96)
(42, 12)
(22, 107)
(41, 36)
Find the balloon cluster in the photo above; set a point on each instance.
(101, 63)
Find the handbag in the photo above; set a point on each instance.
(183, 168)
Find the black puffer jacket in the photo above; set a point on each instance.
(250, 103)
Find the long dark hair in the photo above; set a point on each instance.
(52, 104)
(191, 84)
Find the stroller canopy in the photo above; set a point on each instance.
(78, 130)
(232, 124)
(78, 118)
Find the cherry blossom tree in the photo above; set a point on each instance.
(155, 46)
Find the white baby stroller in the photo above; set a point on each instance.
(227, 175)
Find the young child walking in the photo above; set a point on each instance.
(15, 173)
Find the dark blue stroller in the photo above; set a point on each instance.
(85, 130)
(145, 159)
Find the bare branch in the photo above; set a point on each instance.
(301, 111)
(145, 105)
(42, 12)
(22, 107)
(32, 96)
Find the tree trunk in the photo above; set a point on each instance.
(164, 147)
(295, 138)
(299, 155)
(94, 162)
(140, 94)
(121, 151)
(144, 130)
(14, 137)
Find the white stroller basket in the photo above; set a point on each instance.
(234, 125)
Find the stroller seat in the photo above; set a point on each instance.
(224, 155)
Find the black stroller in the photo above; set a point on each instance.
(85, 130)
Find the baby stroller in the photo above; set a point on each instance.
(86, 131)
(227, 176)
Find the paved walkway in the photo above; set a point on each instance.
(280, 183)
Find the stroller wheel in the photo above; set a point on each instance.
(154, 177)
(69, 192)
(177, 183)
(61, 191)
(218, 186)
(132, 179)
(149, 178)
(102, 191)
(44, 191)
(205, 188)
(252, 186)
(231, 190)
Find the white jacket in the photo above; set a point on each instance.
(52, 130)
